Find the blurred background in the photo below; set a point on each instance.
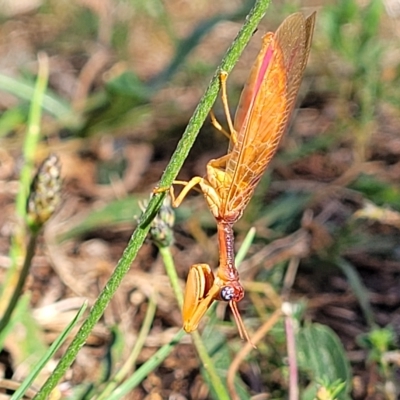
(124, 79)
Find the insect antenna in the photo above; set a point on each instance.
(239, 322)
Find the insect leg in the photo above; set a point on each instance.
(219, 162)
(176, 201)
(196, 308)
(199, 282)
(218, 126)
(224, 97)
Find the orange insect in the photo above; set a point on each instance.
(264, 110)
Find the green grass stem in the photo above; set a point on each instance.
(155, 203)
(146, 368)
(140, 341)
(17, 250)
(206, 360)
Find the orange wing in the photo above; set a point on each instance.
(265, 107)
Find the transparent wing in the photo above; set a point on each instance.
(265, 107)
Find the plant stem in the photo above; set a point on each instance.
(245, 246)
(30, 252)
(146, 368)
(130, 362)
(30, 145)
(206, 360)
(156, 201)
(208, 365)
(291, 351)
(247, 347)
(32, 134)
(171, 272)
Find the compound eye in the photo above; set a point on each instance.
(227, 293)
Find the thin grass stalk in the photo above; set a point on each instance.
(24, 90)
(32, 134)
(130, 362)
(290, 325)
(247, 348)
(156, 201)
(206, 360)
(245, 246)
(17, 290)
(32, 138)
(146, 368)
(44, 197)
(23, 390)
(291, 352)
(169, 264)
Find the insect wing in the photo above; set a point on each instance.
(250, 89)
(295, 54)
(265, 107)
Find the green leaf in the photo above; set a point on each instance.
(378, 191)
(322, 355)
(12, 118)
(378, 342)
(358, 288)
(129, 85)
(117, 212)
(284, 210)
(24, 89)
(126, 211)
